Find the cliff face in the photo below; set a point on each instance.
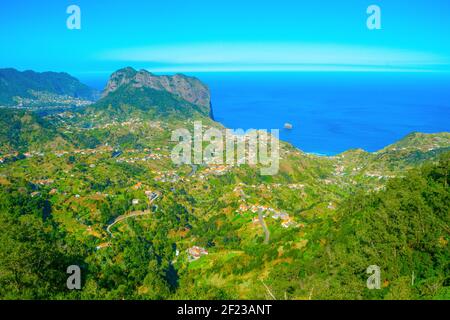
(188, 88)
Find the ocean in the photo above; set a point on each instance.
(329, 112)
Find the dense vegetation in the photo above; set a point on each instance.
(96, 188)
(146, 103)
(34, 249)
(403, 229)
(22, 131)
(14, 83)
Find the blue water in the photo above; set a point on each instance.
(331, 112)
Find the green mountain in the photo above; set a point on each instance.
(187, 88)
(409, 152)
(128, 95)
(16, 86)
(128, 101)
(99, 190)
(164, 97)
(22, 131)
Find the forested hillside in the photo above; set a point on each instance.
(96, 187)
(15, 84)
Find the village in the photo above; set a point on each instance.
(286, 220)
(41, 100)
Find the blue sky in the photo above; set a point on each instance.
(231, 35)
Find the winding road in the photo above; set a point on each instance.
(121, 218)
(261, 219)
(193, 170)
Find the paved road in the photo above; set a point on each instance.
(193, 170)
(132, 214)
(261, 219)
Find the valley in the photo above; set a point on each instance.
(95, 186)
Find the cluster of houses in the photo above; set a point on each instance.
(115, 123)
(151, 156)
(339, 170)
(168, 176)
(292, 186)
(51, 192)
(217, 170)
(50, 100)
(379, 188)
(195, 252)
(90, 151)
(107, 149)
(58, 154)
(296, 186)
(130, 122)
(287, 221)
(379, 176)
(8, 157)
(328, 181)
(33, 154)
(44, 182)
(151, 195)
